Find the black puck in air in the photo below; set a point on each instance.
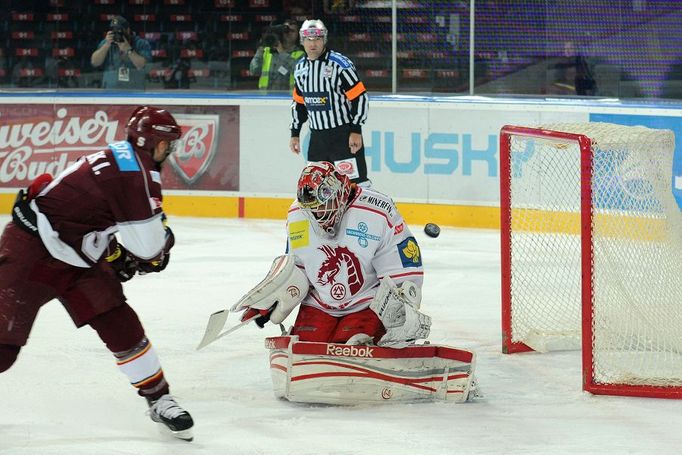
(432, 230)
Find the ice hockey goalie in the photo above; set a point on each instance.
(354, 271)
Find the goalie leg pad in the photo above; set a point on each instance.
(282, 289)
(342, 374)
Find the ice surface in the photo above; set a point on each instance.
(65, 395)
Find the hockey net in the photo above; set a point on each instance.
(591, 252)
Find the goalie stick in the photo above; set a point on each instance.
(216, 322)
(276, 295)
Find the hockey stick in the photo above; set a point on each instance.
(216, 322)
(256, 299)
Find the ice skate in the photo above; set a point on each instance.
(166, 411)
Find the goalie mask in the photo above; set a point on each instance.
(149, 125)
(323, 194)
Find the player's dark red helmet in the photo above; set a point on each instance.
(150, 125)
(323, 194)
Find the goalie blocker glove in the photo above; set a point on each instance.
(276, 296)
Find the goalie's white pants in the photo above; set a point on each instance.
(330, 373)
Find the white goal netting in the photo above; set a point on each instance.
(636, 249)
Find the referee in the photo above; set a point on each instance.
(329, 93)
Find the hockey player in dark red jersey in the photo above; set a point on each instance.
(63, 243)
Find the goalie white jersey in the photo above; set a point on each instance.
(372, 242)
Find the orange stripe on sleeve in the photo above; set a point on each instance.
(356, 91)
(298, 98)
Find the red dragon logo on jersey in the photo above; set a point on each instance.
(332, 266)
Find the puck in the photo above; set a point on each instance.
(432, 230)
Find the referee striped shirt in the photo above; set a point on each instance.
(328, 93)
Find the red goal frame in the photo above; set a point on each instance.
(586, 216)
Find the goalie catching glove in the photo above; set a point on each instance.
(274, 298)
(398, 310)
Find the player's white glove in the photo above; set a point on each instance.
(398, 310)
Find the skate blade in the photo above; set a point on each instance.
(184, 435)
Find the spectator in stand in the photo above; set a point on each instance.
(276, 57)
(179, 76)
(61, 72)
(3, 65)
(573, 74)
(25, 73)
(164, 49)
(293, 8)
(219, 60)
(338, 6)
(124, 56)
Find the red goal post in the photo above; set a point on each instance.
(591, 252)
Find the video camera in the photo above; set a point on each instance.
(118, 27)
(118, 34)
(275, 34)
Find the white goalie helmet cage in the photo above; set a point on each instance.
(323, 195)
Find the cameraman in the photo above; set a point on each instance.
(124, 56)
(276, 58)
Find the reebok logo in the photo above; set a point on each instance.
(349, 351)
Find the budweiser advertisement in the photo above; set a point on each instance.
(35, 139)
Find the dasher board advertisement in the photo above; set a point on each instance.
(39, 138)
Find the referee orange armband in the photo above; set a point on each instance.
(298, 98)
(356, 91)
